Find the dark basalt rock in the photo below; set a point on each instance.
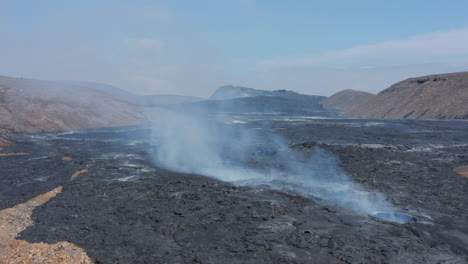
(126, 210)
(395, 217)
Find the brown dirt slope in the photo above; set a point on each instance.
(13, 250)
(28, 105)
(443, 96)
(463, 170)
(346, 99)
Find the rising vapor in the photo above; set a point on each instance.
(211, 145)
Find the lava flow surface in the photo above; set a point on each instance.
(119, 207)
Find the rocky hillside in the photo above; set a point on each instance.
(28, 105)
(346, 100)
(443, 96)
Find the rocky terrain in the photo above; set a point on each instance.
(347, 99)
(121, 208)
(442, 96)
(16, 219)
(101, 196)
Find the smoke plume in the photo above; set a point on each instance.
(214, 146)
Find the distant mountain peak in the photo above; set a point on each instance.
(233, 91)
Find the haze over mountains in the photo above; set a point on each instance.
(441, 96)
(126, 96)
(28, 105)
(242, 99)
(233, 92)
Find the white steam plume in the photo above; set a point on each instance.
(203, 144)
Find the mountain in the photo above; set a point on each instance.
(165, 99)
(443, 96)
(28, 105)
(241, 99)
(346, 99)
(143, 100)
(262, 104)
(232, 92)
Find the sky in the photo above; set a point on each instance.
(192, 47)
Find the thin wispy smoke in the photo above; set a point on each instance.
(213, 146)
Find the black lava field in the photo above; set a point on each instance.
(126, 209)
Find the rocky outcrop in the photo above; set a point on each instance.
(442, 96)
(346, 99)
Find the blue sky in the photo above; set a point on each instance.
(192, 47)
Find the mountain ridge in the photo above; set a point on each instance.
(441, 96)
(28, 105)
(227, 92)
(345, 100)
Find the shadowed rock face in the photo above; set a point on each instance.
(346, 100)
(443, 96)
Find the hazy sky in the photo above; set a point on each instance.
(192, 47)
